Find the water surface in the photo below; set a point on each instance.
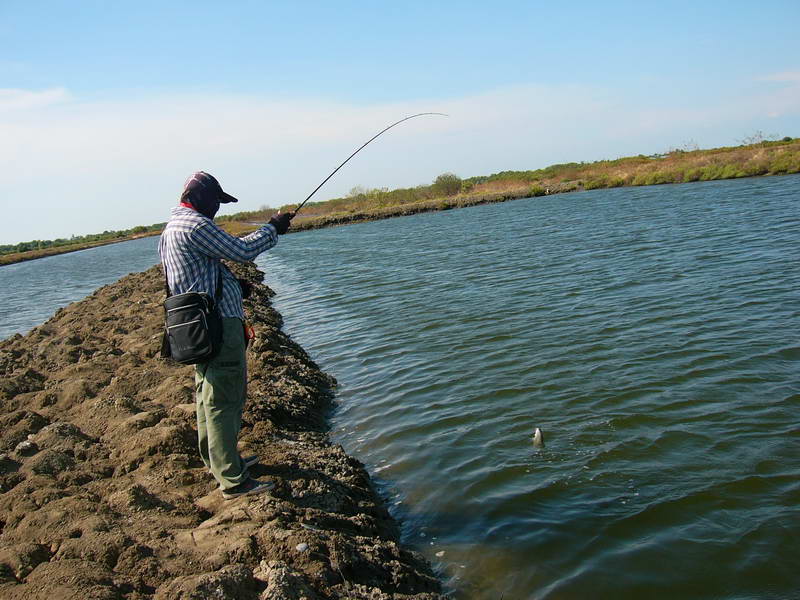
(31, 291)
(652, 333)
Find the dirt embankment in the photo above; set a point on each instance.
(103, 495)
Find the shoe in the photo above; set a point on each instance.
(251, 486)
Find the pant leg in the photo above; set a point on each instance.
(220, 400)
(200, 410)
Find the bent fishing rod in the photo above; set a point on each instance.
(297, 210)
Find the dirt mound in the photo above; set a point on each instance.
(104, 494)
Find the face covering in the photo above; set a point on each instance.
(203, 193)
(206, 204)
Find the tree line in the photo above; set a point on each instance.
(80, 239)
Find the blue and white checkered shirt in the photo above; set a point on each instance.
(191, 247)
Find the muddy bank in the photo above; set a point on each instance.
(103, 495)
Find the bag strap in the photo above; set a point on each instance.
(166, 283)
(218, 292)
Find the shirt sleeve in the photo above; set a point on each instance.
(217, 243)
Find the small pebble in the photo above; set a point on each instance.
(302, 547)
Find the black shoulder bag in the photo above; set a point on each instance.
(193, 325)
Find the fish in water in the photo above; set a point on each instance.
(538, 438)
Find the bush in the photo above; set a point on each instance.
(785, 163)
(710, 173)
(660, 177)
(536, 191)
(730, 172)
(692, 174)
(448, 184)
(754, 168)
(597, 182)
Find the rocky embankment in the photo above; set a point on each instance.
(103, 495)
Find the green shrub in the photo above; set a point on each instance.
(692, 174)
(659, 177)
(710, 173)
(753, 168)
(447, 184)
(599, 182)
(788, 162)
(536, 191)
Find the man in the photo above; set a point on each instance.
(191, 247)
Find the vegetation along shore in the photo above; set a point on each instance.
(761, 158)
(105, 496)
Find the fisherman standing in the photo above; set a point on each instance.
(191, 247)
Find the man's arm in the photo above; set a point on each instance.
(214, 242)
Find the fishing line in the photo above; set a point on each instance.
(297, 210)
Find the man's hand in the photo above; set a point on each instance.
(281, 222)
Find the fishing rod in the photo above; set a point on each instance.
(297, 210)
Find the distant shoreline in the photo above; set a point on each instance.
(18, 257)
(757, 160)
(303, 224)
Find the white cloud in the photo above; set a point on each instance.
(90, 166)
(783, 77)
(12, 99)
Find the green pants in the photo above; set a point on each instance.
(221, 386)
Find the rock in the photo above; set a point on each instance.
(26, 448)
(50, 462)
(16, 426)
(283, 583)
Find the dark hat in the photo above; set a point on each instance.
(206, 187)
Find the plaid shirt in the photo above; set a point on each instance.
(191, 247)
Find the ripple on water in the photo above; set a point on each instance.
(651, 333)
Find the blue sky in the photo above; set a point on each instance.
(106, 107)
